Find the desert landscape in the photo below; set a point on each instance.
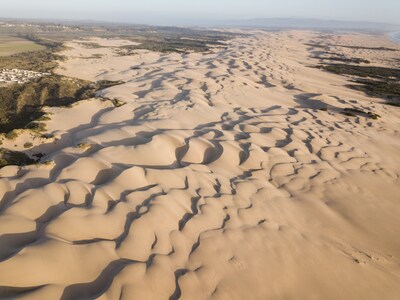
(258, 169)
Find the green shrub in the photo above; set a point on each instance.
(28, 145)
(8, 157)
(12, 135)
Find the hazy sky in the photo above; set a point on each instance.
(181, 11)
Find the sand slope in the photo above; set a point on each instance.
(230, 175)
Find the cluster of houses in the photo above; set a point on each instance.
(10, 76)
(39, 26)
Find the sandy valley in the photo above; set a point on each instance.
(231, 174)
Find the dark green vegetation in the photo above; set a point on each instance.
(343, 59)
(379, 88)
(20, 104)
(354, 112)
(8, 157)
(172, 39)
(325, 53)
(374, 81)
(329, 46)
(39, 61)
(364, 71)
(175, 44)
(167, 44)
(91, 45)
(365, 48)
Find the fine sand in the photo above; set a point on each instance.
(226, 175)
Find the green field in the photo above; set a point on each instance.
(12, 45)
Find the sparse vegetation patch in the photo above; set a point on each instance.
(354, 112)
(20, 104)
(15, 158)
(377, 82)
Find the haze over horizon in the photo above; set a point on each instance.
(178, 12)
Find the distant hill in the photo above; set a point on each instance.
(264, 23)
(298, 23)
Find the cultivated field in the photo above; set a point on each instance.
(11, 45)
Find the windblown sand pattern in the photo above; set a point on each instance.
(228, 175)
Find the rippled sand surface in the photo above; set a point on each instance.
(226, 175)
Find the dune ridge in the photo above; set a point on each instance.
(226, 175)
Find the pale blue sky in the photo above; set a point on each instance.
(176, 11)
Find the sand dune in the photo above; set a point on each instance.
(228, 175)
